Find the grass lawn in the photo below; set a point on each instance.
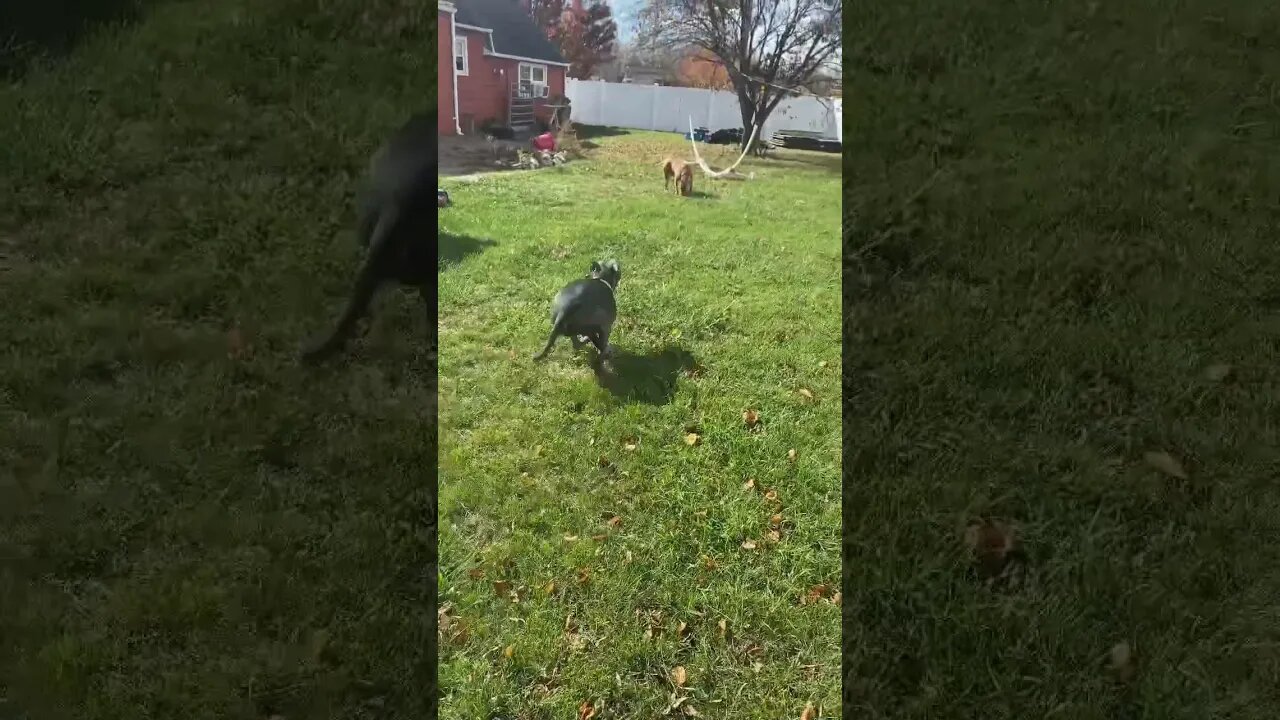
(1091, 276)
(587, 548)
(192, 525)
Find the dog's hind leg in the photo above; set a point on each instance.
(367, 283)
(601, 341)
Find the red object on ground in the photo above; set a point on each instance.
(545, 141)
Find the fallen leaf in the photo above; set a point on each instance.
(571, 538)
(614, 521)
(757, 666)
(629, 447)
(748, 544)
(771, 495)
(501, 588)
(476, 573)
(749, 485)
(809, 712)
(690, 711)
(605, 462)
(1218, 372)
(837, 598)
(682, 629)
(586, 711)
(775, 536)
(699, 513)
(1122, 661)
(775, 520)
(1165, 463)
(724, 628)
(815, 593)
(629, 557)
(807, 393)
(750, 417)
(692, 439)
(709, 563)
(509, 652)
(822, 363)
(550, 587)
(237, 348)
(791, 454)
(679, 675)
(584, 575)
(992, 544)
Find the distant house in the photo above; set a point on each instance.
(495, 66)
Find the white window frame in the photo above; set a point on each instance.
(546, 77)
(461, 40)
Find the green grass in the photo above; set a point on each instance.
(184, 533)
(1035, 320)
(729, 301)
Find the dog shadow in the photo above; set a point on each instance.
(452, 249)
(649, 378)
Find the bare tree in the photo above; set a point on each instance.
(769, 47)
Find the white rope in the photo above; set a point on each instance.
(702, 163)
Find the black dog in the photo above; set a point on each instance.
(396, 219)
(586, 308)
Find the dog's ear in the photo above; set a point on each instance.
(612, 266)
(596, 268)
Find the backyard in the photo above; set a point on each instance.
(662, 534)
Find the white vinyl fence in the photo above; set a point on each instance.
(659, 107)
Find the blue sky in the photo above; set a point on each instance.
(624, 14)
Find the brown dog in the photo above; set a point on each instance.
(681, 172)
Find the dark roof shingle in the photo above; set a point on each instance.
(514, 31)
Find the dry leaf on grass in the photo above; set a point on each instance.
(690, 711)
(791, 454)
(1165, 463)
(1218, 372)
(774, 535)
(723, 625)
(807, 393)
(679, 675)
(775, 520)
(838, 598)
(501, 588)
(237, 348)
(476, 573)
(571, 538)
(709, 563)
(771, 495)
(586, 711)
(1122, 663)
(822, 363)
(993, 545)
(614, 521)
(750, 417)
(550, 587)
(584, 575)
(692, 439)
(630, 447)
(809, 712)
(748, 544)
(509, 652)
(815, 593)
(749, 485)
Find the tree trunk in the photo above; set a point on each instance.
(748, 110)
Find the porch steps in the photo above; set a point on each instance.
(521, 112)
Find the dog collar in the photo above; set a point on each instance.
(606, 284)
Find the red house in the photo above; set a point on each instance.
(496, 66)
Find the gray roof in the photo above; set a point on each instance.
(514, 31)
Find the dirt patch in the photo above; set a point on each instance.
(466, 155)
